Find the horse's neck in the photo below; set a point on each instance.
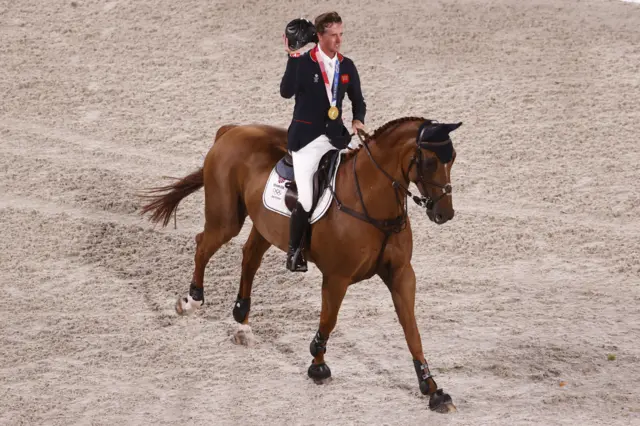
(377, 191)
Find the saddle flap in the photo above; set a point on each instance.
(280, 193)
(322, 176)
(321, 180)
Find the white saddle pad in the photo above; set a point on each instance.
(275, 190)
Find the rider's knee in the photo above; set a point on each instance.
(305, 202)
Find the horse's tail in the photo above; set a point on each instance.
(167, 198)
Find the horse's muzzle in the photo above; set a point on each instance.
(440, 217)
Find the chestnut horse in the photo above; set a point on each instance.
(366, 230)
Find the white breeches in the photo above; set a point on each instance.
(305, 163)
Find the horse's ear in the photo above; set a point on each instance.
(451, 127)
(438, 132)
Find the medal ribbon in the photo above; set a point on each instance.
(331, 94)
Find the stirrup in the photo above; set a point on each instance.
(296, 261)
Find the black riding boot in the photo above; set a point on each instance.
(297, 225)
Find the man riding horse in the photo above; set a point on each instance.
(318, 79)
(365, 232)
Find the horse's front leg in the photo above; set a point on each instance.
(333, 291)
(402, 284)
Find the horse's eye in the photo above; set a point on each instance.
(430, 164)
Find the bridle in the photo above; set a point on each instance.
(417, 160)
(397, 224)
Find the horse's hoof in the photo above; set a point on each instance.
(187, 306)
(243, 336)
(441, 402)
(320, 373)
(179, 309)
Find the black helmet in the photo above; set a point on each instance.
(300, 32)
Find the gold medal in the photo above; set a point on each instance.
(333, 112)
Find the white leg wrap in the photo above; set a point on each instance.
(189, 306)
(243, 335)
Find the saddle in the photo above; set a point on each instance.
(321, 178)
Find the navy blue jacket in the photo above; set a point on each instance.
(303, 78)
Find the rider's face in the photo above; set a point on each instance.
(331, 39)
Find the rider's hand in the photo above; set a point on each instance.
(355, 125)
(355, 140)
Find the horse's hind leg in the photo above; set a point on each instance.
(223, 222)
(207, 243)
(333, 291)
(252, 253)
(402, 284)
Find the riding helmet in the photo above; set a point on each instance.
(300, 32)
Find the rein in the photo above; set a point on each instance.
(398, 223)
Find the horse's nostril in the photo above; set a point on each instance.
(438, 218)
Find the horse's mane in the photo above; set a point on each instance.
(368, 138)
(390, 124)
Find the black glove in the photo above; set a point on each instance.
(300, 32)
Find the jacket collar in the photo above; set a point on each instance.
(314, 54)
